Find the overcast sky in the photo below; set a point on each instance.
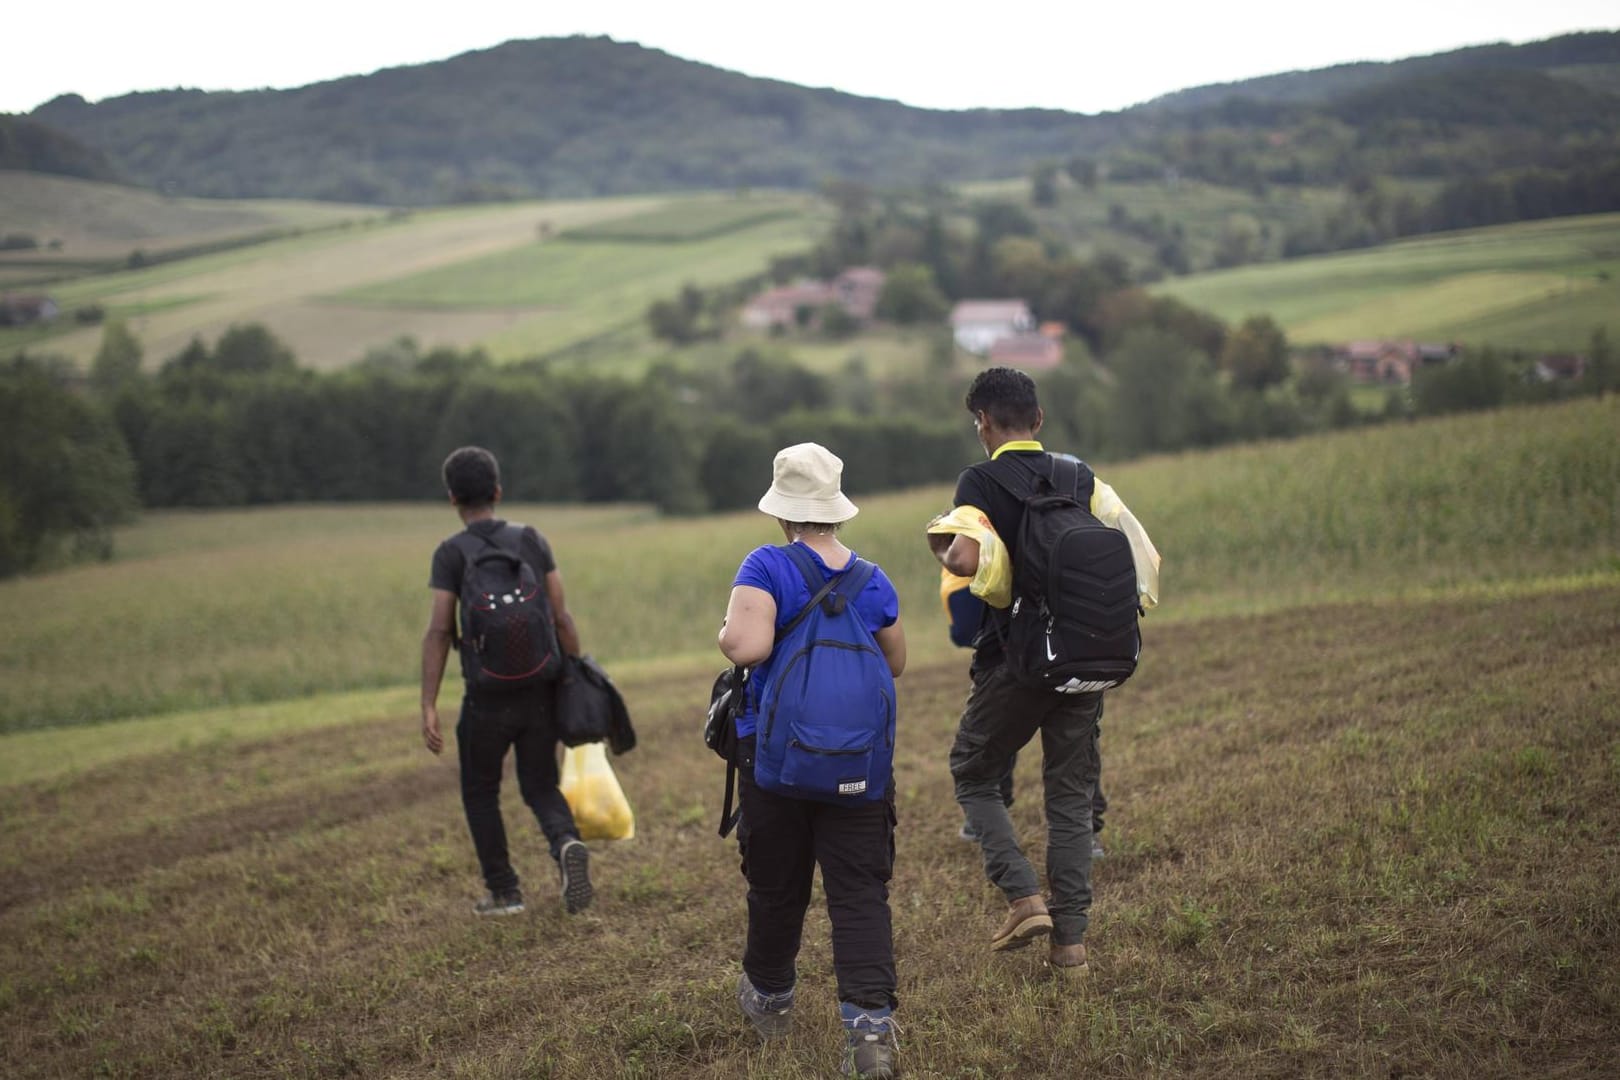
(1060, 54)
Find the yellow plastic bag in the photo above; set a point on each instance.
(992, 583)
(601, 812)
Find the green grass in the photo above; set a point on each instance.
(1534, 285)
(93, 222)
(207, 609)
(284, 283)
(694, 219)
(1313, 870)
(1363, 795)
(580, 290)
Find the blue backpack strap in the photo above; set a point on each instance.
(811, 571)
(854, 578)
(847, 582)
(809, 568)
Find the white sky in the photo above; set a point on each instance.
(1063, 54)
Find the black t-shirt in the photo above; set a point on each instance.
(976, 487)
(449, 561)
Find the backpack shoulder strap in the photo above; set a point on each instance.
(812, 578)
(1066, 478)
(855, 576)
(1018, 476)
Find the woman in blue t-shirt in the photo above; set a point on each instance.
(782, 838)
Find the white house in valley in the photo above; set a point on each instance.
(979, 324)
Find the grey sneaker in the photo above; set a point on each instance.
(966, 833)
(1097, 851)
(506, 902)
(574, 860)
(771, 1014)
(870, 1042)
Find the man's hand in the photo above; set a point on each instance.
(431, 736)
(938, 542)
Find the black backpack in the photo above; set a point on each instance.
(1072, 626)
(507, 637)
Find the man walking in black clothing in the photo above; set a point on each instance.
(496, 718)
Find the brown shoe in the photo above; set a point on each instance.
(1068, 961)
(1026, 920)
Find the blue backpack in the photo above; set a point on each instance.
(826, 710)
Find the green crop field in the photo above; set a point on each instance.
(695, 219)
(1364, 791)
(569, 292)
(1543, 285)
(503, 276)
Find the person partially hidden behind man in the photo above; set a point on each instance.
(498, 718)
(1003, 714)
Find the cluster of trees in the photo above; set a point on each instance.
(240, 423)
(1488, 378)
(28, 146)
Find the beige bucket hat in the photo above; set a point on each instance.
(805, 486)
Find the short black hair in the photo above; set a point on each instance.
(471, 475)
(1007, 395)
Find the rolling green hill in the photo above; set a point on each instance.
(585, 116)
(1536, 285)
(1591, 59)
(82, 224)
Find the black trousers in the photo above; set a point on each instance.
(782, 840)
(523, 721)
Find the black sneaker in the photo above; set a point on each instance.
(575, 862)
(506, 902)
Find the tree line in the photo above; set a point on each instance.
(239, 423)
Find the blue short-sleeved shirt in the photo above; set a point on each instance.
(772, 569)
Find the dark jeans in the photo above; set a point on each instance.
(782, 840)
(490, 726)
(1001, 716)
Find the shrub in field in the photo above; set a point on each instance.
(65, 473)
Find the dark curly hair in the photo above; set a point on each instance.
(1007, 395)
(471, 475)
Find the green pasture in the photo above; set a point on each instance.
(694, 219)
(93, 222)
(1533, 285)
(200, 610)
(285, 284)
(574, 291)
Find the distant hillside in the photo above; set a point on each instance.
(1590, 58)
(30, 146)
(591, 116)
(557, 117)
